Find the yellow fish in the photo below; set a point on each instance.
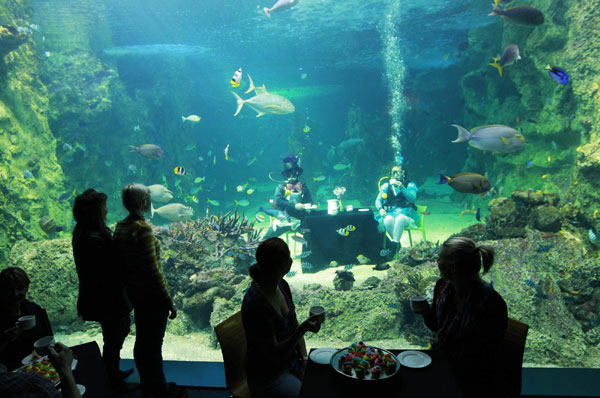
(544, 176)
(351, 228)
(333, 263)
(239, 188)
(549, 159)
(362, 259)
(306, 128)
(595, 213)
(250, 191)
(343, 231)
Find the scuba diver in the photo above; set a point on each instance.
(395, 204)
(291, 199)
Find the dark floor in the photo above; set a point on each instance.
(194, 392)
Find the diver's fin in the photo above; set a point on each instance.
(240, 103)
(463, 134)
(251, 85)
(267, 11)
(497, 66)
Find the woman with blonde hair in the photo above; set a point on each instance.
(138, 254)
(468, 316)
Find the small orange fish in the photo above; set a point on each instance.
(544, 176)
(462, 213)
(539, 191)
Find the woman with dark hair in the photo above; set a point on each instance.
(276, 353)
(101, 293)
(138, 254)
(468, 316)
(15, 342)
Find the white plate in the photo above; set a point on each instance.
(28, 360)
(414, 359)
(322, 355)
(364, 209)
(80, 387)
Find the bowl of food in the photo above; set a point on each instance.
(362, 362)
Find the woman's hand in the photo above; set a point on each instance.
(312, 323)
(172, 312)
(382, 212)
(61, 357)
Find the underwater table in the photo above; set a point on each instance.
(327, 244)
(435, 380)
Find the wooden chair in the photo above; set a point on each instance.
(512, 350)
(232, 340)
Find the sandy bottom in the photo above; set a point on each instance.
(444, 220)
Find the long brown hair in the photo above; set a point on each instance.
(87, 211)
(468, 256)
(270, 254)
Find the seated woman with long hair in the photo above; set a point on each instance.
(276, 353)
(469, 317)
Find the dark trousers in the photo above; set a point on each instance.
(114, 332)
(150, 325)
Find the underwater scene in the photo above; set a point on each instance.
(474, 119)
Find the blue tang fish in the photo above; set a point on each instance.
(558, 74)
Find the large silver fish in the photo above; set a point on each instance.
(160, 193)
(493, 138)
(174, 212)
(280, 6)
(264, 102)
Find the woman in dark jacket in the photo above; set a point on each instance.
(101, 292)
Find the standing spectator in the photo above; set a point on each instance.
(101, 292)
(15, 342)
(138, 254)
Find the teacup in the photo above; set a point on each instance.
(26, 322)
(418, 303)
(349, 208)
(318, 310)
(41, 345)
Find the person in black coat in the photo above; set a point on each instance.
(16, 342)
(102, 295)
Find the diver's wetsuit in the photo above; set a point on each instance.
(399, 205)
(297, 193)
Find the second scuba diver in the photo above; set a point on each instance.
(395, 204)
(291, 199)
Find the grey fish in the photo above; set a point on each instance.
(524, 16)
(264, 102)
(348, 266)
(350, 142)
(280, 6)
(173, 212)
(290, 274)
(384, 252)
(150, 151)
(381, 267)
(304, 254)
(467, 182)
(345, 275)
(509, 56)
(299, 239)
(493, 138)
(307, 265)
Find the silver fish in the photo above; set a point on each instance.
(304, 254)
(280, 6)
(509, 56)
(299, 239)
(493, 138)
(264, 102)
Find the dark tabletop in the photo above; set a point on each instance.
(435, 380)
(326, 244)
(90, 370)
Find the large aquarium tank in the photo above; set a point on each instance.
(204, 99)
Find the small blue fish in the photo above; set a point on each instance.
(384, 252)
(592, 236)
(478, 214)
(529, 163)
(544, 248)
(348, 266)
(530, 283)
(304, 254)
(290, 274)
(558, 74)
(27, 174)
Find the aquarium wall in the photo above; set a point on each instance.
(373, 84)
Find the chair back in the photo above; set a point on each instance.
(513, 347)
(419, 221)
(232, 340)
